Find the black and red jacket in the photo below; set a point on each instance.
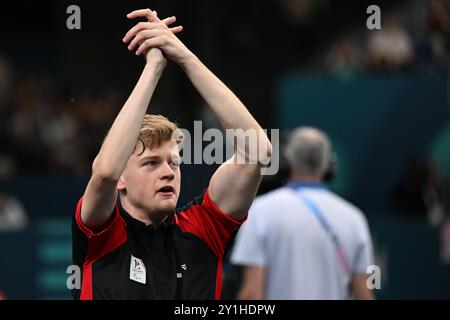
(182, 258)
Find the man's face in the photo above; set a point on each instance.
(151, 180)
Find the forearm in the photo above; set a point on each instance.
(122, 137)
(249, 293)
(252, 284)
(234, 184)
(229, 110)
(359, 288)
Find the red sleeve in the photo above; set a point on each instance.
(100, 242)
(206, 221)
(104, 229)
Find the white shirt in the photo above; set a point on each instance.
(283, 235)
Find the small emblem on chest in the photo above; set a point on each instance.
(137, 270)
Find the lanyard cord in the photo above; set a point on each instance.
(327, 227)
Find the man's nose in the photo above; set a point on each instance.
(167, 171)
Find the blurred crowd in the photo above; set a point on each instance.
(422, 192)
(414, 36)
(45, 129)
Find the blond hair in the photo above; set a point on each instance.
(157, 129)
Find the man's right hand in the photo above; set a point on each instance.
(157, 34)
(152, 54)
(155, 55)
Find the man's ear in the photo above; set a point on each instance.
(121, 183)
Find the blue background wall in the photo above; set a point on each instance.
(376, 123)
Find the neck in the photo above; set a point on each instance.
(154, 218)
(298, 177)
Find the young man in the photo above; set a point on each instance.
(127, 237)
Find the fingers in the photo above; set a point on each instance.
(151, 43)
(143, 26)
(169, 21)
(138, 28)
(146, 25)
(144, 13)
(154, 33)
(142, 36)
(176, 29)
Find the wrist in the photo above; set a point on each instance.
(155, 66)
(188, 61)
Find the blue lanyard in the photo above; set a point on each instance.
(297, 187)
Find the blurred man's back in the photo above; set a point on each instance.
(302, 241)
(301, 260)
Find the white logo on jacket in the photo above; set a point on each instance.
(137, 270)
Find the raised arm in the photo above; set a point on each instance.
(234, 185)
(101, 192)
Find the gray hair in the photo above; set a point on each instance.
(308, 151)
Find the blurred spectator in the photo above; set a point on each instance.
(446, 193)
(58, 135)
(445, 226)
(299, 12)
(438, 17)
(5, 81)
(302, 241)
(345, 58)
(445, 242)
(438, 23)
(391, 47)
(418, 194)
(12, 214)
(6, 74)
(7, 166)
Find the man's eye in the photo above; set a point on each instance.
(151, 163)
